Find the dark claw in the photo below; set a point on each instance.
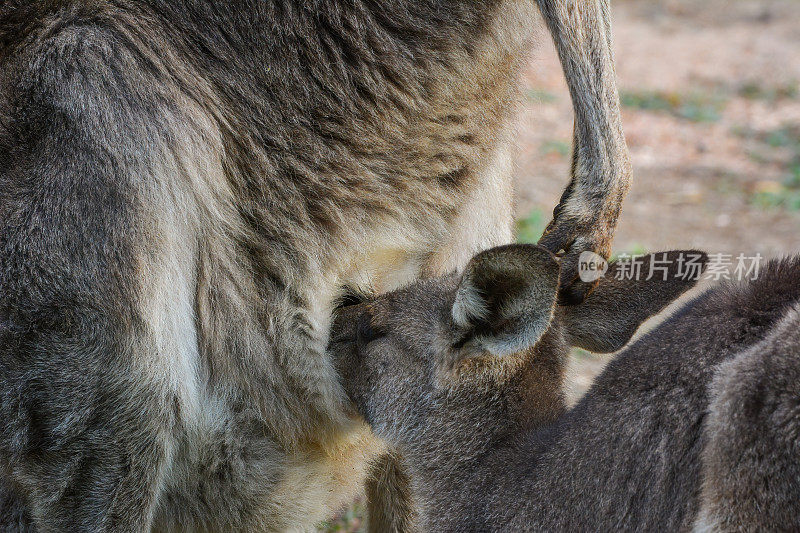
(573, 291)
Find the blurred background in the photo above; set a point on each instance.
(710, 95)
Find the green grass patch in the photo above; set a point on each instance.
(695, 106)
(583, 355)
(754, 90)
(350, 521)
(540, 96)
(787, 136)
(556, 147)
(786, 199)
(786, 196)
(780, 146)
(530, 228)
(635, 249)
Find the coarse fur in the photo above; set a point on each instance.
(694, 426)
(187, 190)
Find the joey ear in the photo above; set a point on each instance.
(506, 297)
(625, 298)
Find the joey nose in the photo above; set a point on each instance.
(367, 331)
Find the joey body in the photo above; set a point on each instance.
(656, 443)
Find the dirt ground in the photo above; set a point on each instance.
(711, 110)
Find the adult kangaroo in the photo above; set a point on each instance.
(188, 189)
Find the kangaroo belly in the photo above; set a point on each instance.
(235, 480)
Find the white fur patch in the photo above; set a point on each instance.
(469, 305)
(486, 219)
(705, 524)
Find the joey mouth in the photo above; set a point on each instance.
(350, 332)
(344, 324)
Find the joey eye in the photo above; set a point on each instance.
(367, 332)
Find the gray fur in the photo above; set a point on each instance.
(751, 462)
(188, 188)
(695, 425)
